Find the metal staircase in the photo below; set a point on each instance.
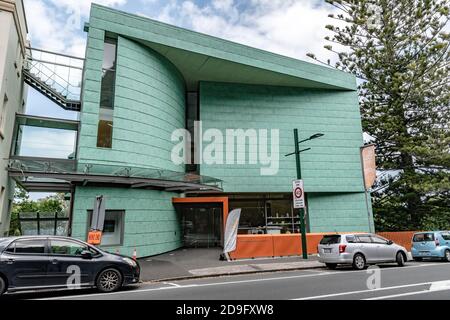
(55, 79)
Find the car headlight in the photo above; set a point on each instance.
(131, 262)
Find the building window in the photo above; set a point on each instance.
(113, 228)
(266, 214)
(281, 218)
(105, 124)
(2, 198)
(105, 128)
(192, 115)
(19, 60)
(253, 217)
(3, 116)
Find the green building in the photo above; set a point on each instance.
(142, 81)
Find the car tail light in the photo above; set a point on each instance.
(342, 248)
(436, 241)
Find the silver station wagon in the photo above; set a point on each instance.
(359, 250)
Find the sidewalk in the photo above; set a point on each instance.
(195, 263)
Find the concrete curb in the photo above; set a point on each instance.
(230, 274)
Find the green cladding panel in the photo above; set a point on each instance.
(339, 212)
(332, 165)
(152, 225)
(331, 169)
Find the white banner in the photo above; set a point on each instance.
(98, 214)
(231, 230)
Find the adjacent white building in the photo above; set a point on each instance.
(13, 43)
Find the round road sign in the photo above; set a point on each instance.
(298, 193)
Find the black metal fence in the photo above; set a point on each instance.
(44, 223)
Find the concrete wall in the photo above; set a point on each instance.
(151, 224)
(11, 85)
(149, 106)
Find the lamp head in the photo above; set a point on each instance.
(315, 136)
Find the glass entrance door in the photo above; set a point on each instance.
(202, 226)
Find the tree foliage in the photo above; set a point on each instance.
(23, 204)
(399, 49)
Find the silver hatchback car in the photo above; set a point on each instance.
(359, 250)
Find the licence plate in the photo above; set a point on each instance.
(425, 253)
(327, 250)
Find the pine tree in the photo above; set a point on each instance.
(399, 49)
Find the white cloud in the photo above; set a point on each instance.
(287, 27)
(83, 6)
(57, 25)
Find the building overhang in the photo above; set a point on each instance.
(200, 57)
(36, 174)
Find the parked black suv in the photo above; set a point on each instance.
(47, 262)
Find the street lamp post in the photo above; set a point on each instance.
(299, 177)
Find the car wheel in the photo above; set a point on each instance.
(2, 286)
(447, 256)
(400, 259)
(109, 280)
(359, 262)
(418, 259)
(331, 266)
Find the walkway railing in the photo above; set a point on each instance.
(57, 76)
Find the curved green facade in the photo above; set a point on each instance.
(149, 105)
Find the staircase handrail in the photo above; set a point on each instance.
(50, 75)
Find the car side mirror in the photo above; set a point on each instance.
(86, 255)
(390, 242)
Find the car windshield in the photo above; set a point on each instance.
(445, 236)
(333, 239)
(421, 237)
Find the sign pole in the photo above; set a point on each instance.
(301, 210)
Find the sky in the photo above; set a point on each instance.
(288, 27)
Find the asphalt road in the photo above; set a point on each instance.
(427, 280)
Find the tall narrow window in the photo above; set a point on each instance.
(105, 124)
(192, 115)
(3, 116)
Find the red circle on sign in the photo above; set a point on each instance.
(298, 192)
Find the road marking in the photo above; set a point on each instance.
(436, 286)
(172, 284)
(234, 282)
(322, 271)
(400, 295)
(188, 286)
(363, 291)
